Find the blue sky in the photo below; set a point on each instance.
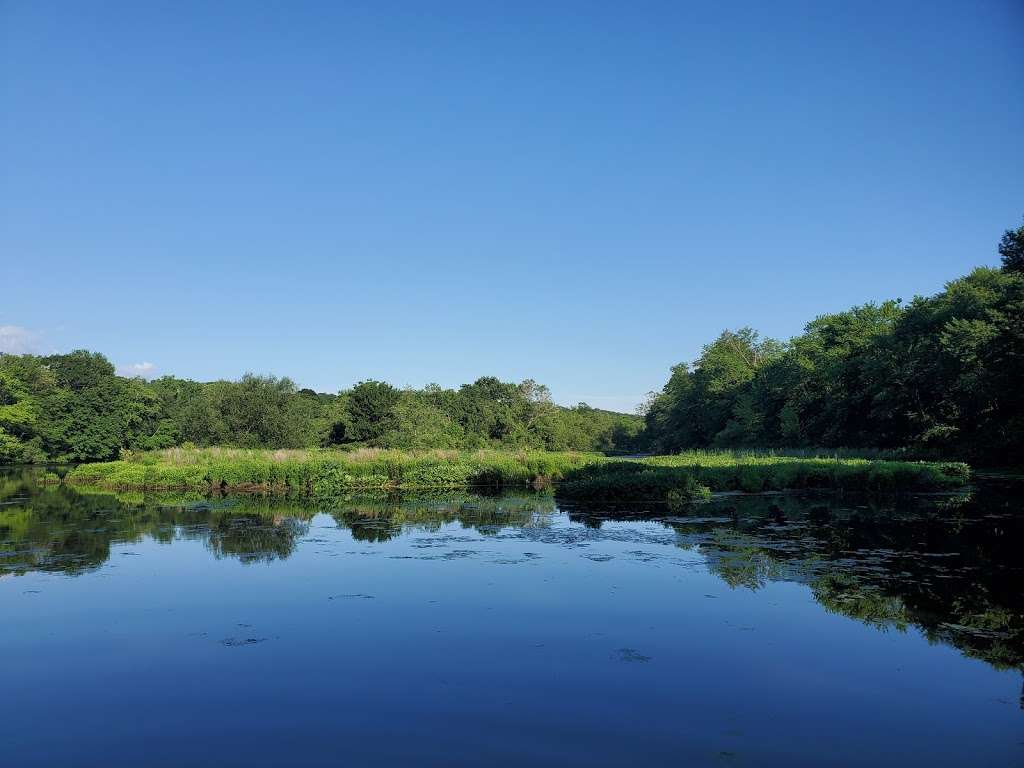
(581, 193)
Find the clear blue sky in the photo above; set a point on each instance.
(581, 193)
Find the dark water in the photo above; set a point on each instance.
(459, 630)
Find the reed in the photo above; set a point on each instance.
(577, 475)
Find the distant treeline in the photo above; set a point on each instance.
(942, 375)
(73, 407)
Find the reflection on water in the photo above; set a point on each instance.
(949, 565)
(946, 569)
(57, 528)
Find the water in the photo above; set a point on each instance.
(458, 630)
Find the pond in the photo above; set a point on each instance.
(452, 629)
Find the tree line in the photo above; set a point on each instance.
(941, 375)
(74, 407)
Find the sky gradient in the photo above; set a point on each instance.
(579, 193)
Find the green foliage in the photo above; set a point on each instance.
(325, 471)
(370, 411)
(18, 419)
(73, 407)
(1011, 249)
(691, 474)
(419, 424)
(938, 376)
(629, 481)
(590, 476)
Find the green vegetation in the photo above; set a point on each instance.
(578, 475)
(695, 474)
(73, 407)
(935, 378)
(323, 472)
(939, 376)
(632, 481)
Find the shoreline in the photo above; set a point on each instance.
(575, 476)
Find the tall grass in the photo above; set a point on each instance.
(579, 475)
(692, 474)
(326, 472)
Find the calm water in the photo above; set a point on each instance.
(458, 630)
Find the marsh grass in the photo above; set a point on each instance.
(693, 474)
(325, 472)
(577, 475)
(632, 481)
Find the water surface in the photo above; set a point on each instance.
(463, 630)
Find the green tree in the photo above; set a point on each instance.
(370, 411)
(90, 412)
(1011, 249)
(257, 412)
(840, 373)
(19, 409)
(939, 375)
(420, 424)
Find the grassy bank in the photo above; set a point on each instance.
(326, 471)
(577, 475)
(697, 473)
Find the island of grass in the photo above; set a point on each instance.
(697, 474)
(576, 476)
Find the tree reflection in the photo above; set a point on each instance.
(948, 566)
(384, 517)
(60, 529)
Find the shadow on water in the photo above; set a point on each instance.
(948, 565)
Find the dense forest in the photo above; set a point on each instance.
(939, 375)
(73, 407)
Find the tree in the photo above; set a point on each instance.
(939, 376)
(669, 416)
(839, 373)
(491, 410)
(90, 412)
(1011, 249)
(19, 409)
(370, 411)
(420, 424)
(256, 412)
(722, 375)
